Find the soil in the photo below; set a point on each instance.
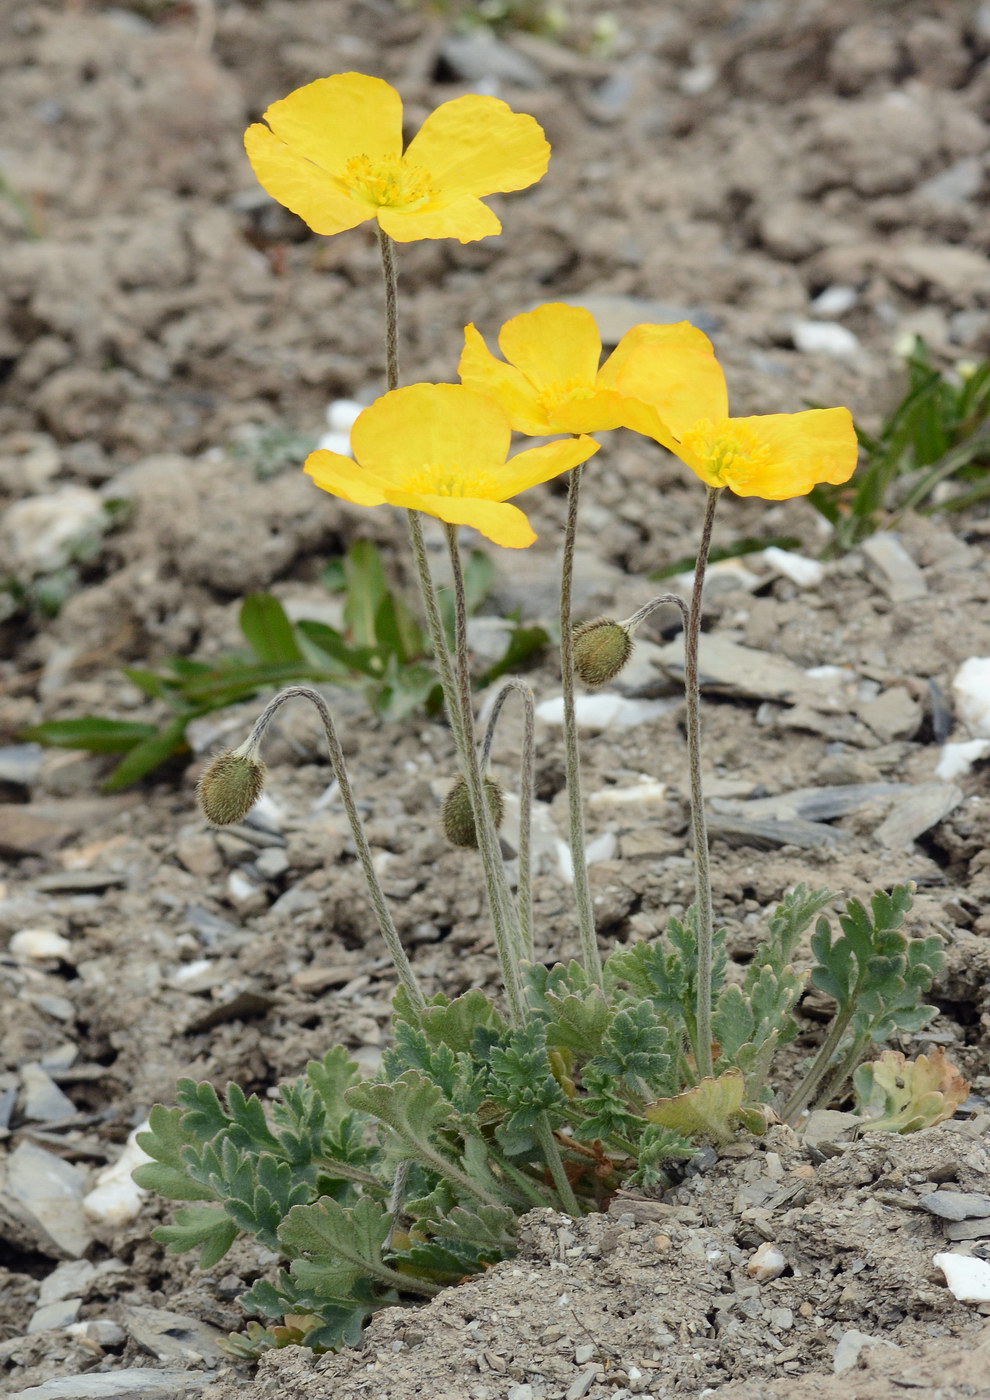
(169, 337)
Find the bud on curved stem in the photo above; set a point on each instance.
(247, 751)
(601, 649)
(230, 786)
(457, 814)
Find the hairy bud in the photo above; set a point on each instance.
(457, 818)
(601, 649)
(230, 787)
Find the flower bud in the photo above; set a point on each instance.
(230, 787)
(457, 817)
(601, 649)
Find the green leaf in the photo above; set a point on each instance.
(268, 630)
(167, 1135)
(524, 643)
(146, 756)
(711, 1109)
(207, 1226)
(90, 732)
(347, 1244)
(328, 640)
(366, 590)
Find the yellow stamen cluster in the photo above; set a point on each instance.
(388, 184)
(725, 454)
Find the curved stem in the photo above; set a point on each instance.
(385, 923)
(699, 832)
(590, 955)
(527, 785)
(553, 1159)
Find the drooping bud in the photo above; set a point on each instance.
(457, 818)
(230, 786)
(601, 649)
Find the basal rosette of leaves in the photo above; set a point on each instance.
(381, 1191)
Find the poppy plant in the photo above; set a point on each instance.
(332, 153)
(443, 450)
(674, 390)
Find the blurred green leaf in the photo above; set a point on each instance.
(146, 756)
(91, 733)
(268, 630)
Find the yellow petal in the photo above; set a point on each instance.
(502, 524)
(484, 373)
(477, 146)
(465, 219)
(801, 450)
(538, 464)
(602, 410)
(428, 425)
(554, 345)
(342, 477)
(315, 196)
(672, 377)
(334, 119)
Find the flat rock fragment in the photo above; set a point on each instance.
(172, 1336)
(813, 836)
(967, 1278)
(917, 812)
(759, 675)
(43, 1101)
(956, 1205)
(44, 1193)
(132, 1383)
(901, 578)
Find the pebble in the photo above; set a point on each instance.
(74, 1276)
(245, 895)
(45, 1193)
(606, 710)
(271, 863)
(902, 579)
(584, 1353)
(132, 1383)
(805, 572)
(41, 533)
(479, 56)
(43, 1101)
(172, 1336)
(894, 714)
(116, 1198)
(971, 688)
(580, 1386)
(20, 764)
(956, 1205)
(61, 1314)
(825, 338)
(646, 790)
(100, 1330)
(968, 1279)
(342, 414)
(40, 943)
(766, 1263)
(835, 300)
(956, 760)
(850, 1344)
(917, 812)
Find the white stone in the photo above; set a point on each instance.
(968, 1279)
(805, 572)
(342, 414)
(40, 534)
(958, 759)
(647, 789)
(971, 687)
(98, 1329)
(766, 1263)
(40, 943)
(116, 1199)
(825, 338)
(601, 847)
(335, 442)
(604, 710)
(189, 971)
(835, 300)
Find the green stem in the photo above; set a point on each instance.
(380, 905)
(391, 309)
(527, 784)
(590, 955)
(553, 1159)
(504, 923)
(699, 832)
(818, 1068)
(842, 1071)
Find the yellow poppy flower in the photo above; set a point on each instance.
(442, 449)
(332, 153)
(674, 391)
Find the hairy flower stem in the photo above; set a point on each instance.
(590, 956)
(699, 831)
(459, 712)
(505, 924)
(554, 1161)
(388, 930)
(527, 785)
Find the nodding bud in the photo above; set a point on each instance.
(457, 818)
(601, 649)
(230, 787)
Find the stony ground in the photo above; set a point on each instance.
(162, 325)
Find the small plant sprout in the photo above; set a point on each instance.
(582, 1075)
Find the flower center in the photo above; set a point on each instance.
(388, 184)
(554, 396)
(725, 453)
(442, 480)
